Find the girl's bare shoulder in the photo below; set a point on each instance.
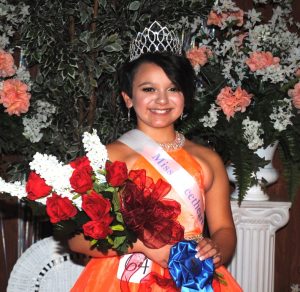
(201, 152)
(207, 158)
(117, 151)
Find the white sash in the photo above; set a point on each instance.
(182, 182)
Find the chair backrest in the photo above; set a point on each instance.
(45, 267)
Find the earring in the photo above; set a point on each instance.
(128, 115)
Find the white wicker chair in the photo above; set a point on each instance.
(44, 267)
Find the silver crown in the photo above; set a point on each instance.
(156, 38)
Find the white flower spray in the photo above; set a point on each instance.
(281, 116)
(211, 119)
(96, 153)
(252, 133)
(16, 189)
(57, 175)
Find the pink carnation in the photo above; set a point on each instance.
(14, 97)
(232, 102)
(261, 60)
(198, 56)
(6, 64)
(219, 19)
(214, 19)
(295, 95)
(237, 16)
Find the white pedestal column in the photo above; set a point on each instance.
(256, 223)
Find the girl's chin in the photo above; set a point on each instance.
(160, 124)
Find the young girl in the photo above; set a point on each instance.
(159, 87)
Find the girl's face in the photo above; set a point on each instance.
(158, 103)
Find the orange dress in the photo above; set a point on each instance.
(104, 274)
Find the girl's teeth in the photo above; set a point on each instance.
(160, 111)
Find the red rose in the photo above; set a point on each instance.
(116, 173)
(81, 162)
(36, 187)
(97, 229)
(95, 206)
(81, 180)
(59, 208)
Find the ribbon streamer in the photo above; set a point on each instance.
(188, 272)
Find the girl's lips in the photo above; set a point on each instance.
(160, 111)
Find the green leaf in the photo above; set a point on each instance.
(119, 217)
(116, 201)
(71, 72)
(110, 189)
(98, 71)
(109, 68)
(76, 196)
(110, 241)
(118, 241)
(290, 157)
(245, 163)
(117, 227)
(103, 3)
(135, 5)
(93, 82)
(115, 47)
(94, 241)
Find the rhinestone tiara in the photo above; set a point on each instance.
(156, 38)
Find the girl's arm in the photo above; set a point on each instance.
(222, 244)
(79, 244)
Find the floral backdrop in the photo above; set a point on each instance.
(247, 77)
(248, 97)
(72, 49)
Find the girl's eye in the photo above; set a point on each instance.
(174, 89)
(148, 89)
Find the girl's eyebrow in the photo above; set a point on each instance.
(151, 83)
(145, 83)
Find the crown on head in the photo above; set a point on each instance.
(156, 38)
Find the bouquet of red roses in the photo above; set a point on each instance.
(111, 206)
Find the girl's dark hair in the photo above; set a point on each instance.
(178, 69)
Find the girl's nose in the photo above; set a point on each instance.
(162, 98)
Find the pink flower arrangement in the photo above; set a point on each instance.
(248, 91)
(232, 102)
(219, 19)
(261, 60)
(7, 66)
(199, 56)
(295, 95)
(15, 97)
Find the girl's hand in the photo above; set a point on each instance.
(208, 248)
(160, 255)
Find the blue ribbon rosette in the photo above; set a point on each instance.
(188, 272)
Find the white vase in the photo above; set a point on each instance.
(266, 176)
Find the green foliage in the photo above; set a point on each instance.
(289, 153)
(73, 49)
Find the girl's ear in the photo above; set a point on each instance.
(127, 99)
